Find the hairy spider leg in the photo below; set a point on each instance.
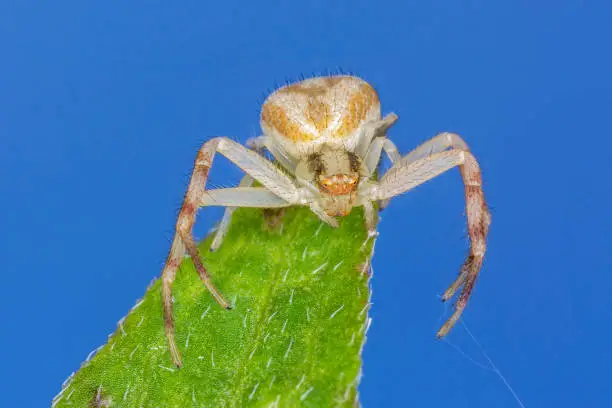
(478, 220)
(253, 164)
(418, 167)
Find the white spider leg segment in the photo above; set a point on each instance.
(372, 158)
(394, 155)
(373, 130)
(254, 197)
(247, 181)
(286, 160)
(257, 144)
(319, 212)
(391, 150)
(370, 218)
(407, 175)
(256, 166)
(436, 144)
(231, 198)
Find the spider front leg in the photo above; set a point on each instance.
(369, 213)
(277, 184)
(373, 157)
(409, 172)
(257, 144)
(439, 143)
(479, 219)
(223, 227)
(247, 181)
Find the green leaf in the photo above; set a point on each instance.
(300, 292)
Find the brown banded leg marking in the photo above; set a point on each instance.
(478, 219)
(183, 241)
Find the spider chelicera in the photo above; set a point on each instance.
(327, 137)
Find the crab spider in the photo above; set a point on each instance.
(327, 137)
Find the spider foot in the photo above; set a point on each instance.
(372, 234)
(175, 355)
(450, 323)
(466, 279)
(463, 274)
(221, 231)
(193, 251)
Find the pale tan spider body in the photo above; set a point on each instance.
(328, 136)
(325, 110)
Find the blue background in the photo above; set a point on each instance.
(103, 107)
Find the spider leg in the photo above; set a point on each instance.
(316, 208)
(238, 197)
(404, 175)
(479, 219)
(373, 156)
(253, 164)
(467, 279)
(372, 131)
(380, 144)
(410, 172)
(257, 144)
(370, 218)
(247, 181)
(436, 144)
(177, 252)
(276, 150)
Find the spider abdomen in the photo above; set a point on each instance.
(323, 110)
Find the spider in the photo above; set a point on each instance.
(327, 137)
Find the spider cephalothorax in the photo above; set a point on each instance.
(328, 136)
